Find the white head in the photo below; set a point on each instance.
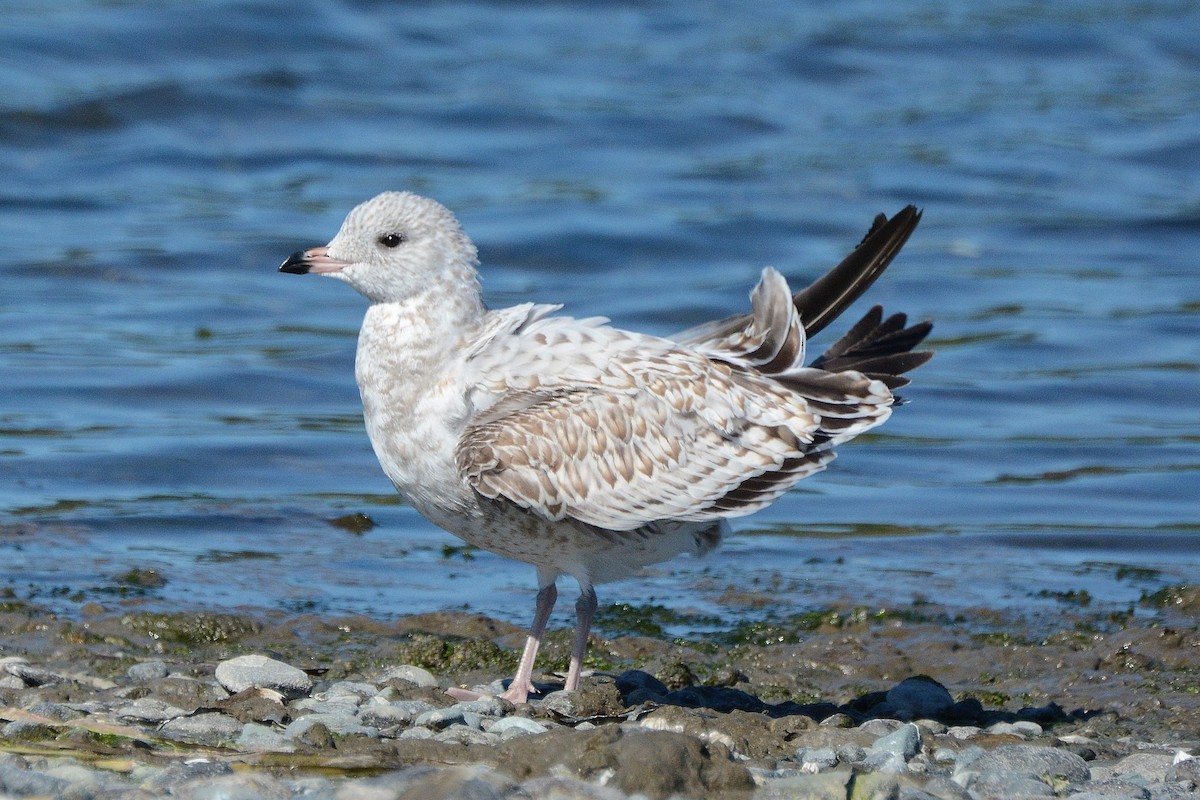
(392, 247)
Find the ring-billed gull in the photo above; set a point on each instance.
(587, 450)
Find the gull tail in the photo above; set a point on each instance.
(772, 337)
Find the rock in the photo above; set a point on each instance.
(147, 709)
(1113, 789)
(166, 780)
(472, 782)
(1185, 773)
(257, 738)
(516, 726)
(238, 786)
(18, 780)
(1151, 767)
(255, 705)
(337, 724)
(1007, 786)
(874, 786)
(385, 715)
(356, 689)
(212, 729)
(146, 671)
(919, 697)
(825, 786)
(260, 672)
(658, 764)
(1030, 760)
(636, 680)
(905, 742)
(1022, 729)
(815, 759)
(187, 693)
(32, 676)
(597, 697)
(717, 698)
(407, 672)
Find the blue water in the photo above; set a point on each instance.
(169, 401)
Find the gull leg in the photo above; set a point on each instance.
(585, 609)
(522, 683)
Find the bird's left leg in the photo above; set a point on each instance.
(585, 610)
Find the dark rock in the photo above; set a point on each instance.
(255, 705)
(596, 697)
(717, 698)
(635, 679)
(919, 697)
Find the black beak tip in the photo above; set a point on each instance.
(296, 264)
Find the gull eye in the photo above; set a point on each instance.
(391, 240)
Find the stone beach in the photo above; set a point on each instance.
(912, 702)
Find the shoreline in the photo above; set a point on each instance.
(831, 699)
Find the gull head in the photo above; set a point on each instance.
(392, 247)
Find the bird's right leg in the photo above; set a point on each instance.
(522, 683)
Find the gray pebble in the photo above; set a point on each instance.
(462, 734)
(338, 724)
(1147, 766)
(260, 672)
(239, 786)
(401, 712)
(814, 759)
(1007, 786)
(880, 727)
(33, 676)
(851, 753)
(355, 689)
(57, 711)
(1021, 728)
(484, 706)
(1030, 760)
(964, 731)
(211, 729)
(441, 717)
(147, 671)
(516, 726)
(412, 674)
(147, 709)
(263, 739)
(905, 742)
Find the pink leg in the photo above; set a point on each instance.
(585, 609)
(522, 684)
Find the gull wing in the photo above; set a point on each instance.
(573, 418)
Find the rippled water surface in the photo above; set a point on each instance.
(169, 402)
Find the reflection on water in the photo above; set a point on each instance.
(168, 402)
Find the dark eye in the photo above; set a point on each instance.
(391, 240)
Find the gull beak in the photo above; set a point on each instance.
(315, 260)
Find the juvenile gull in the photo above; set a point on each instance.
(587, 450)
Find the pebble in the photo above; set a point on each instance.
(912, 755)
(260, 672)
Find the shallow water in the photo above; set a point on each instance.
(169, 402)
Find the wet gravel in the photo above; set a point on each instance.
(911, 702)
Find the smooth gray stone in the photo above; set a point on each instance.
(1007, 786)
(516, 726)
(338, 724)
(263, 739)
(147, 709)
(818, 758)
(212, 729)
(1031, 760)
(905, 742)
(147, 671)
(412, 674)
(260, 672)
